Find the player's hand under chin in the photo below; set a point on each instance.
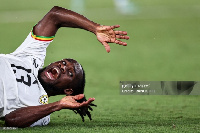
(70, 102)
(107, 34)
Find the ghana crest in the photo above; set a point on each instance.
(43, 99)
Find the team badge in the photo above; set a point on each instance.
(43, 99)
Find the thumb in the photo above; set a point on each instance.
(79, 97)
(107, 47)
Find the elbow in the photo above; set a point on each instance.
(56, 10)
(55, 14)
(12, 122)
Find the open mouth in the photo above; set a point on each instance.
(53, 73)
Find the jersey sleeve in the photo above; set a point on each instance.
(34, 46)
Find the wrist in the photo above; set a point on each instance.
(94, 28)
(57, 106)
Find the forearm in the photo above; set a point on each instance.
(26, 116)
(59, 17)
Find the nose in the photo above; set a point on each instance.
(62, 67)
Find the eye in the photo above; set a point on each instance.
(63, 62)
(70, 74)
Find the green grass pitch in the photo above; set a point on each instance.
(163, 45)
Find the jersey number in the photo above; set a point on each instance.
(22, 79)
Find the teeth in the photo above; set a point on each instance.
(56, 70)
(53, 73)
(49, 75)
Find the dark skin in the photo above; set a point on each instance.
(63, 74)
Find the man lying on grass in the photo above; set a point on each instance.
(25, 87)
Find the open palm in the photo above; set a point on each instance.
(106, 34)
(70, 102)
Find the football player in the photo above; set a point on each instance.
(25, 87)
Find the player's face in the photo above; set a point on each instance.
(62, 73)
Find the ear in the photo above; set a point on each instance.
(68, 91)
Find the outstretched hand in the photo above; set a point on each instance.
(78, 104)
(70, 102)
(106, 34)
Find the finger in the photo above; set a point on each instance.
(78, 97)
(122, 37)
(120, 42)
(107, 47)
(85, 103)
(115, 26)
(88, 102)
(120, 32)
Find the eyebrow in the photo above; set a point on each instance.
(73, 65)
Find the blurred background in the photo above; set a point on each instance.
(163, 45)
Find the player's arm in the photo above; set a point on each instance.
(26, 116)
(59, 17)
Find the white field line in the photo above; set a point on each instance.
(148, 12)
